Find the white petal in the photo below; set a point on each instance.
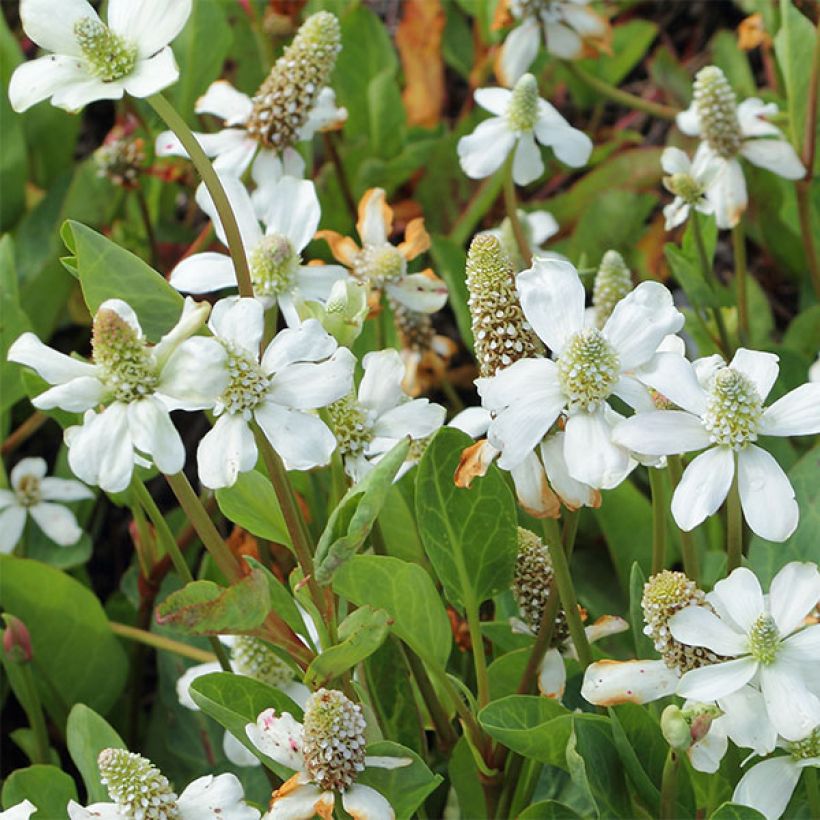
(745, 721)
(76, 396)
(532, 490)
(768, 786)
(363, 803)
(380, 388)
(125, 312)
(675, 213)
(552, 675)
(152, 74)
(237, 753)
(608, 683)
(302, 440)
(54, 367)
(483, 152)
(766, 495)
(309, 342)
(774, 155)
(527, 162)
(515, 385)
(703, 487)
(791, 707)
(299, 800)
(740, 598)
(234, 161)
(604, 627)
(661, 433)
(323, 114)
(101, 451)
(78, 94)
(761, 368)
(314, 282)
(203, 273)
(630, 391)
(280, 737)
(64, 489)
(639, 323)
(240, 322)
(675, 378)
(705, 369)
(220, 797)
(542, 225)
(309, 385)
(293, 211)
(751, 114)
(225, 451)
(591, 455)
(708, 683)
(552, 298)
(57, 522)
(37, 80)
(224, 101)
(675, 161)
(793, 593)
(374, 217)
(419, 292)
(96, 811)
(697, 626)
(195, 375)
(573, 494)
(418, 419)
(55, 32)
(150, 24)
(385, 762)
(494, 100)
(562, 41)
(688, 121)
(153, 433)
(185, 680)
(7, 499)
(473, 421)
(35, 467)
(518, 53)
(571, 146)
(795, 414)
(728, 194)
(241, 205)
(705, 754)
(12, 523)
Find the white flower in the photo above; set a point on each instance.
(327, 752)
(21, 811)
(728, 131)
(135, 383)
(301, 370)
(564, 25)
(32, 493)
(95, 61)
(726, 416)
(290, 213)
(689, 183)
(253, 658)
(369, 424)
(538, 227)
(767, 641)
(521, 118)
(589, 366)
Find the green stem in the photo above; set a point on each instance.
(570, 529)
(812, 790)
(664, 112)
(161, 642)
(341, 175)
(511, 207)
(477, 207)
(803, 189)
(658, 490)
(739, 251)
(734, 527)
(206, 170)
(479, 656)
(146, 222)
(146, 555)
(669, 786)
(708, 274)
(438, 714)
(691, 565)
(34, 712)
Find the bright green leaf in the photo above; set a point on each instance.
(46, 786)
(87, 734)
(252, 504)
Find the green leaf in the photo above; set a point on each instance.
(233, 701)
(87, 734)
(470, 536)
(407, 593)
(407, 787)
(642, 749)
(387, 115)
(205, 608)
(549, 810)
(643, 646)
(13, 322)
(464, 777)
(505, 672)
(360, 635)
(281, 601)
(252, 504)
(65, 619)
(398, 522)
(107, 271)
(13, 165)
(734, 811)
(46, 786)
(352, 519)
(451, 265)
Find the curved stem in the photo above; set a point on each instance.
(739, 251)
(669, 786)
(161, 642)
(209, 176)
(687, 542)
(658, 490)
(27, 429)
(619, 96)
(511, 206)
(734, 528)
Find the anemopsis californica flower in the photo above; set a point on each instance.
(33, 493)
(729, 131)
(301, 370)
(521, 118)
(767, 642)
(722, 413)
(290, 213)
(133, 380)
(588, 366)
(93, 60)
(20, 811)
(538, 227)
(689, 182)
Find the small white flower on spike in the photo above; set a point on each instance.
(93, 60)
(521, 118)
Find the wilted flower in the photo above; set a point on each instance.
(521, 118)
(34, 494)
(120, 160)
(95, 61)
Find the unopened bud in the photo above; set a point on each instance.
(344, 312)
(16, 640)
(675, 728)
(700, 719)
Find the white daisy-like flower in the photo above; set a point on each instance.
(290, 214)
(137, 788)
(371, 422)
(327, 752)
(729, 131)
(92, 60)
(301, 370)
(766, 640)
(21, 811)
(521, 118)
(768, 785)
(253, 658)
(689, 182)
(538, 227)
(722, 413)
(565, 26)
(588, 366)
(134, 381)
(33, 493)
